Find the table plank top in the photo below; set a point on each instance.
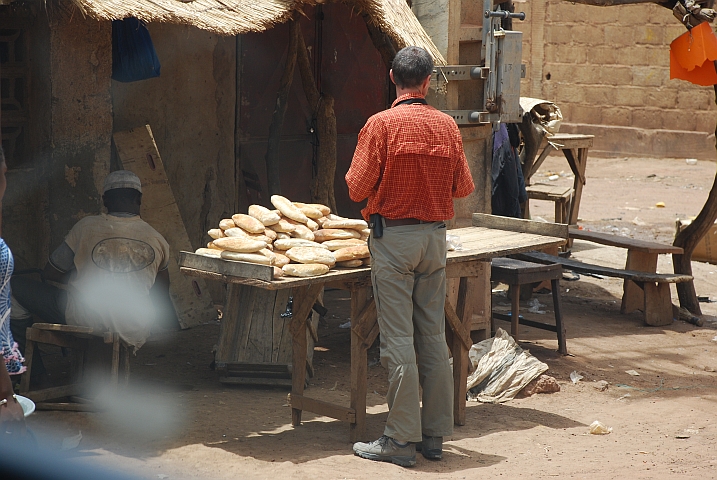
(478, 243)
(623, 242)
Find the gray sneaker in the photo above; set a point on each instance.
(385, 449)
(431, 447)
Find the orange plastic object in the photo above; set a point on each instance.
(692, 56)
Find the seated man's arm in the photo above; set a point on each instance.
(60, 264)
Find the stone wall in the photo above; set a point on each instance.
(608, 70)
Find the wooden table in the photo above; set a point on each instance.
(641, 257)
(467, 270)
(575, 148)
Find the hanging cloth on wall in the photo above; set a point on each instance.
(508, 182)
(133, 54)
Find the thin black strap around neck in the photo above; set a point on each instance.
(410, 101)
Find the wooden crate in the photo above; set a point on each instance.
(255, 340)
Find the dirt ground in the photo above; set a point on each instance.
(182, 423)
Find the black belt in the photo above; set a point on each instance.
(399, 222)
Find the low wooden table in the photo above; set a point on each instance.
(575, 148)
(467, 270)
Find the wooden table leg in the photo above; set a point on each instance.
(304, 298)
(577, 159)
(658, 304)
(362, 323)
(633, 297)
(459, 347)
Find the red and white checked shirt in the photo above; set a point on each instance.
(410, 163)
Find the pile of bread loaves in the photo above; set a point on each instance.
(297, 239)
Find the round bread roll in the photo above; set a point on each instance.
(216, 233)
(288, 209)
(337, 244)
(264, 215)
(246, 257)
(305, 269)
(209, 252)
(248, 223)
(311, 255)
(335, 234)
(238, 244)
(352, 253)
(286, 244)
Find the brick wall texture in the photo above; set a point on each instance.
(610, 67)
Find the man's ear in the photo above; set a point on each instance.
(390, 74)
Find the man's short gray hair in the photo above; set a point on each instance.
(411, 66)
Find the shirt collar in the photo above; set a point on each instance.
(406, 96)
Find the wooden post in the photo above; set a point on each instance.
(304, 298)
(633, 297)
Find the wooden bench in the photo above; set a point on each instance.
(641, 256)
(77, 338)
(655, 287)
(561, 196)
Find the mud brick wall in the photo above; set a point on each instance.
(608, 68)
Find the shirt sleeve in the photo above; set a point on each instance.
(462, 179)
(365, 171)
(63, 258)
(165, 253)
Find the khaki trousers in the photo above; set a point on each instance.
(408, 271)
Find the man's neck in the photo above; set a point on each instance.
(405, 91)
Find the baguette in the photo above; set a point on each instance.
(302, 231)
(288, 209)
(226, 223)
(311, 255)
(216, 233)
(211, 246)
(346, 223)
(335, 234)
(305, 269)
(278, 272)
(350, 263)
(240, 245)
(270, 233)
(308, 210)
(264, 215)
(312, 225)
(322, 208)
(337, 244)
(248, 223)
(209, 252)
(282, 236)
(236, 232)
(367, 261)
(283, 226)
(280, 260)
(352, 253)
(269, 254)
(286, 244)
(246, 257)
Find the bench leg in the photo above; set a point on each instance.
(559, 325)
(658, 304)
(633, 297)
(514, 315)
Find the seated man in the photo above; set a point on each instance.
(115, 268)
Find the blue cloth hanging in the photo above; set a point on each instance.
(133, 54)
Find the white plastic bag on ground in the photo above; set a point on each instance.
(501, 369)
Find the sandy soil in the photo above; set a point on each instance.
(181, 423)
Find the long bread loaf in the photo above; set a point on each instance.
(264, 215)
(311, 255)
(246, 257)
(248, 223)
(305, 269)
(238, 244)
(288, 209)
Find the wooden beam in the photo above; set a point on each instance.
(520, 225)
(327, 409)
(456, 326)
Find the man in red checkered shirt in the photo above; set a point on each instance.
(410, 164)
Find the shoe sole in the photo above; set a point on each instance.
(432, 455)
(401, 461)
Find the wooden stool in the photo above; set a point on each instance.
(561, 196)
(516, 273)
(77, 338)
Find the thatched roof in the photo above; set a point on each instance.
(234, 17)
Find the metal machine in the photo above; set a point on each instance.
(500, 73)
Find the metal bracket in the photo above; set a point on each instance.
(457, 72)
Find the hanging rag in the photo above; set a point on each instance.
(133, 54)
